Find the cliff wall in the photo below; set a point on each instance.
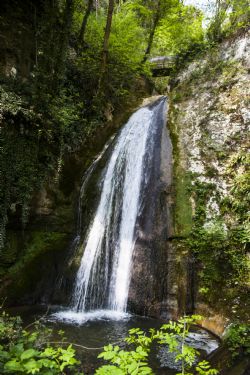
(209, 119)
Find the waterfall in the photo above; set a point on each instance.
(103, 278)
(128, 189)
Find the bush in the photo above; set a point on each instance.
(237, 339)
(29, 352)
(135, 361)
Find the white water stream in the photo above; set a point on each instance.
(103, 278)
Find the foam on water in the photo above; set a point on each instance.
(73, 317)
(201, 340)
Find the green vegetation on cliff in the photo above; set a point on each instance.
(213, 176)
(69, 68)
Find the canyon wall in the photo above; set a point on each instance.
(209, 122)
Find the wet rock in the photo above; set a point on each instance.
(152, 281)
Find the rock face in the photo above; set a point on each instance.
(17, 37)
(151, 285)
(213, 114)
(209, 122)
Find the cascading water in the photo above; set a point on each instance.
(127, 255)
(103, 278)
(77, 238)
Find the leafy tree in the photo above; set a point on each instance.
(178, 31)
(151, 15)
(215, 28)
(155, 21)
(229, 16)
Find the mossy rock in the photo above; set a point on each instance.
(31, 277)
(182, 215)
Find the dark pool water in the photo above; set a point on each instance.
(100, 328)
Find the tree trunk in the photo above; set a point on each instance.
(104, 57)
(66, 28)
(81, 35)
(219, 17)
(107, 34)
(63, 42)
(152, 31)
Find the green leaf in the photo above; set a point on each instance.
(109, 370)
(17, 350)
(48, 352)
(32, 366)
(132, 367)
(48, 363)
(13, 366)
(145, 371)
(29, 353)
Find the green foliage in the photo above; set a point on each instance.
(126, 48)
(239, 198)
(29, 352)
(179, 31)
(128, 362)
(135, 361)
(229, 17)
(23, 157)
(220, 250)
(219, 244)
(237, 339)
(204, 368)
(55, 110)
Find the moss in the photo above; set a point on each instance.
(40, 251)
(223, 72)
(40, 243)
(160, 84)
(10, 253)
(221, 255)
(211, 172)
(182, 181)
(183, 210)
